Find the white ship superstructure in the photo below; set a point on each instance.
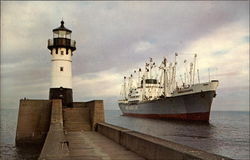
(159, 83)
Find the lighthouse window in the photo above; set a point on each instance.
(61, 52)
(61, 68)
(62, 34)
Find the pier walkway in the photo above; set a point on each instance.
(76, 145)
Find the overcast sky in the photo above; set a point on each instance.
(114, 38)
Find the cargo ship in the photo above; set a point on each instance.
(155, 92)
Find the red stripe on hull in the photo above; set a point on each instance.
(185, 116)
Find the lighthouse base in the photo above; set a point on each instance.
(65, 94)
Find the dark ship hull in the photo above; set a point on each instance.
(193, 107)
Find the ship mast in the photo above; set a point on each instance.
(144, 82)
(134, 80)
(124, 88)
(186, 72)
(150, 68)
(130, 82)
(198, 75)
(194, 67)
(190, 73)
(169, 72)
(165, 76)
(139, 78)
(173, 83)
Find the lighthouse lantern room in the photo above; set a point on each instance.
(61, 49)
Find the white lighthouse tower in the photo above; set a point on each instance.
(61, 49)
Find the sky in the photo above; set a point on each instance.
(114, 38)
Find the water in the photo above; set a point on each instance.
(227, 133)
(8, 150)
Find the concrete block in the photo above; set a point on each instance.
(77, 119)
(33, 121)
(111, 131)
(79, 104)
(83, 115)
(96, 112)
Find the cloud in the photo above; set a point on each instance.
(114, 38)
(98, 84)
(224, 51)
(143, 46)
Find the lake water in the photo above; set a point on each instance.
(227, 133)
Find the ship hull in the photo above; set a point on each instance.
(195, 107)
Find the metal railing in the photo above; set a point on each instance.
(73, 43)
(50, 42)
(61, 42)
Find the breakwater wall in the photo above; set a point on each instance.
(34, 118)
(33, 121)
(153, 148)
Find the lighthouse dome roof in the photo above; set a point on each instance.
(62, 28)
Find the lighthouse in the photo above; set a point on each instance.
(61, 49)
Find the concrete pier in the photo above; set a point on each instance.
(35, 115)
(81, 133)
(71, 144)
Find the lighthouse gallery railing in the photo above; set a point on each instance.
(61, 42)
